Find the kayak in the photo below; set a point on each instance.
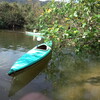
(32, 59)
(34, 34)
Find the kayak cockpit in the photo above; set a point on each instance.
(42, 47)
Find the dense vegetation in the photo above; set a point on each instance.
(15, 15)
(10, 15)
(72, 24)
(67, 24)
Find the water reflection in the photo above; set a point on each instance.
(76, 79)
(15, 40)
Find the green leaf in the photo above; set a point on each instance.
(75, 14)
(84, 24)
(98, 16)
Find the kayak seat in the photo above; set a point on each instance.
(43, 47)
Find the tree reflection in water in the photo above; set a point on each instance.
(75, 78)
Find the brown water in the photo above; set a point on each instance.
(68, 77)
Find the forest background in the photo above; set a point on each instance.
(72, 24)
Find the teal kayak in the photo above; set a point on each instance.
(32, 57)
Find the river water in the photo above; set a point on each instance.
(67, 77)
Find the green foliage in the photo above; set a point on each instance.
(16, 15)
(72, 24)
(33, 11)
(10, 15)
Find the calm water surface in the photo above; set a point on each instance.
(67, 78)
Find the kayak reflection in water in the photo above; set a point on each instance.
(35, 96)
